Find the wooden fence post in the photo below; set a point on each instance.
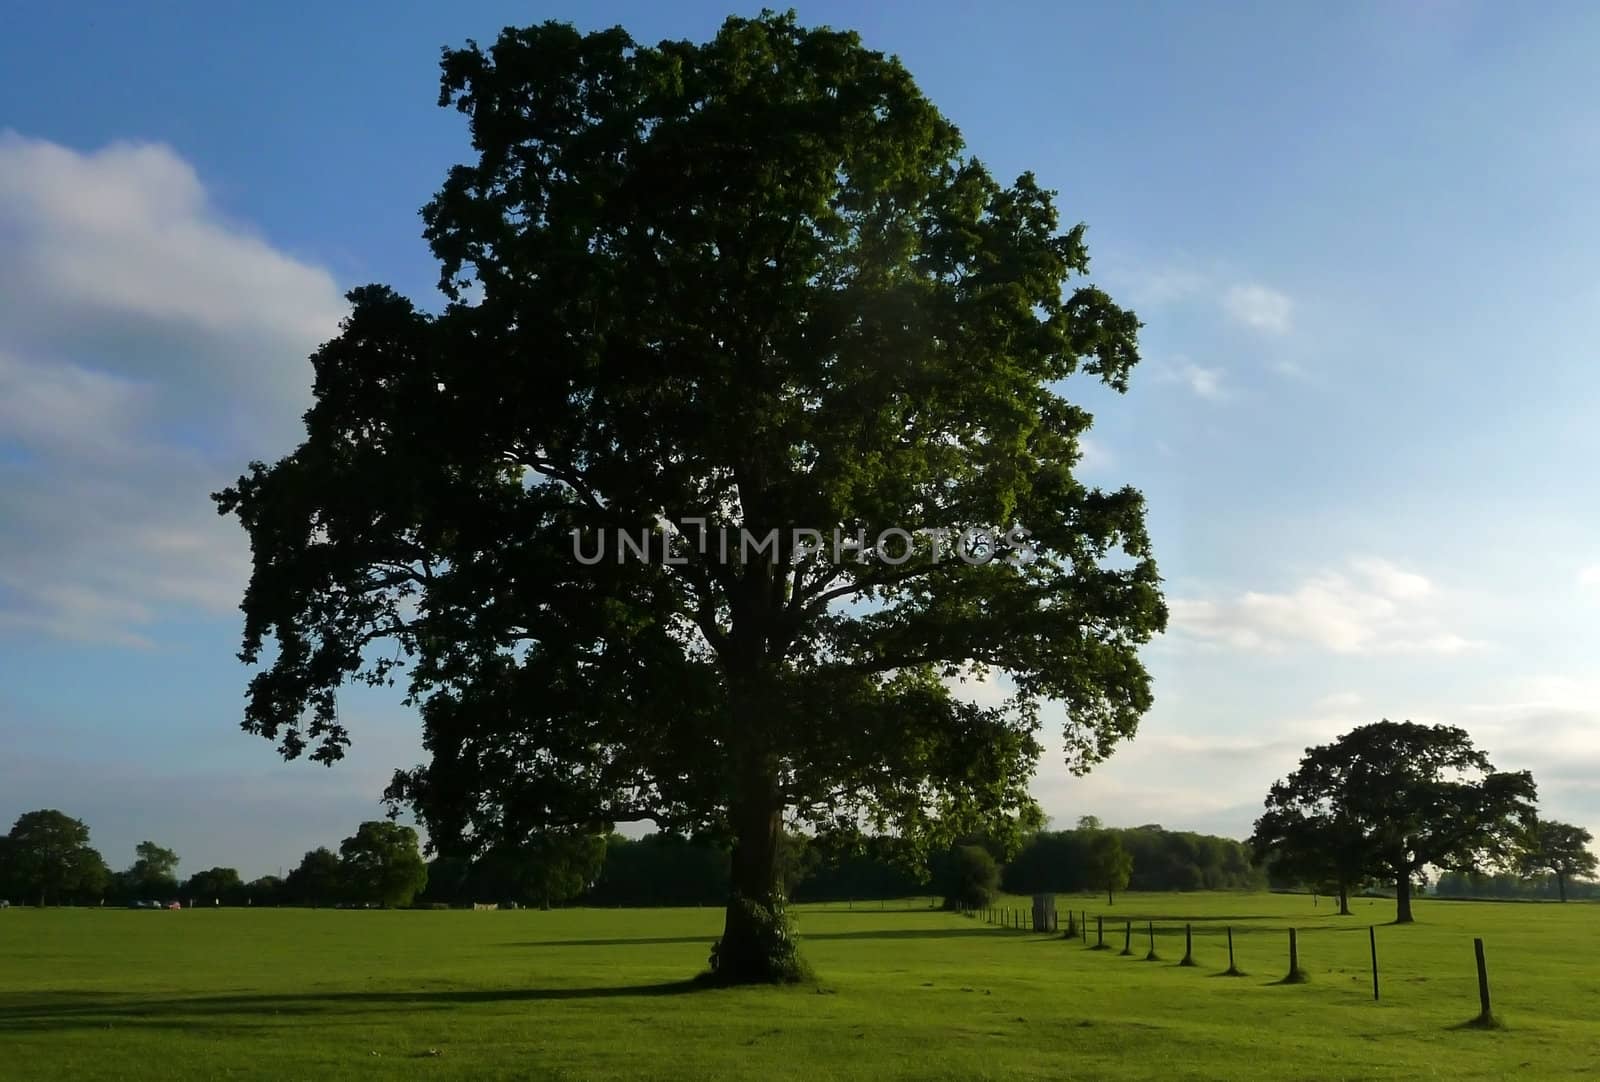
(1127, 938)
(1296, 975)
(1099, 932)
(1372, 937)
(1152, 956)
(1232, 970)
(1485, 1017)
(1188, 946)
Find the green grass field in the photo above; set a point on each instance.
(904, 992)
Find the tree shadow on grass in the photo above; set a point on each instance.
(1181, 919)
(51, 1011)
(804, 937)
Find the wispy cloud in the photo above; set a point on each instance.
(1153, 287)
(1095, 455)
(1203, 382)
(1259, 308)
(148, 350)
(1245, 301)
(1367, 607)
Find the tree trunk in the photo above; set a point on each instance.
(1402, 898)
(757, 945)
(1561, 886)
(1344, 900)
(1108, 897)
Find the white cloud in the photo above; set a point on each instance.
(1589, 577)
(1095, 455)
(1202, 382)
(1392, 581)
(1259, 308)
(1170, 775)
(1370, 607)
(1205, 382)
(148, 349)
(1158, 286)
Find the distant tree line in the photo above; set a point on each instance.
(1148, 857)
(1509, 885)
(668, 869)
(46, 859)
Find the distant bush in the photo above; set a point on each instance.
(971, 878)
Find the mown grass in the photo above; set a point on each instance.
(905, 993)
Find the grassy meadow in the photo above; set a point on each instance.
(904, 992)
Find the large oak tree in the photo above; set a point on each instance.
(1559, 849)
(753, 284)
(1391, 799)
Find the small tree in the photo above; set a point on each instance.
(1110, 864)
(8, 870)
(154, 872)
(214, 885)
(318, 880)
(545, 870)
(971, 879)
(1308, 836)
(50, 858)
(382, 864)
(268, 890)
(1560, 849)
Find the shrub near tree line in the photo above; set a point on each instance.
(970, 878)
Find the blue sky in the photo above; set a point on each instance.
(1362, 241)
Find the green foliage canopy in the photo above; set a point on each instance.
(1392, 799)
(752, 284)
(47, 856)
(1110, 865)
(1559, 849)
(971, 878)
(381, 864)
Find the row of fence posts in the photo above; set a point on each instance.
(1044, 918)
